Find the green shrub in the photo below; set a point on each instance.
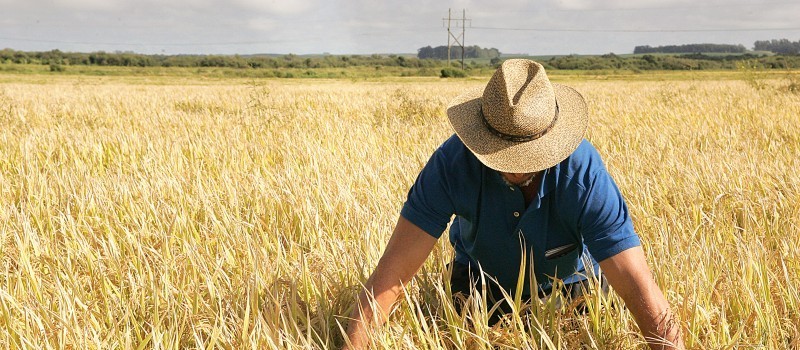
(449, 72)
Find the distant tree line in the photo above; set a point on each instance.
(671, 62)
(782, 46)
(779, 46)
(440, 52)
(277, 65)
(690, 48)
(128, 59)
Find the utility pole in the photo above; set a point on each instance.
(457, 39)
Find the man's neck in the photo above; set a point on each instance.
(530, 190)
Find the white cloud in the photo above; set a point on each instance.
(278, 7)
(619, 4)
(263, 24)
(104, 5)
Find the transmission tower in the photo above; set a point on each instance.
(457, 39)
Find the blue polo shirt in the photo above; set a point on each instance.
(577, 218)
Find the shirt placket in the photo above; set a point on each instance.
(516, 209)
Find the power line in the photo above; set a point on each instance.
(685, 7)
(637, 30)
(651, 8)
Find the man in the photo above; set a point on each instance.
(520, 179)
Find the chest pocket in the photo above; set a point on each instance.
(562, 260)
(556, 254)
(559, 248)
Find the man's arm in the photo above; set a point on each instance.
(405, 253)
(630, 276)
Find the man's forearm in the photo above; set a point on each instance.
(630, 276)
(407, 249)
(656, 321)
(370, 310)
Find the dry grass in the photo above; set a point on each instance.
(245, 215)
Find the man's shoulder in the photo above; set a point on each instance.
(585, 160)
(585, 152)
(454, 152)
(454, 164)
(453, 146)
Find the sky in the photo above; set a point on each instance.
(537, 27)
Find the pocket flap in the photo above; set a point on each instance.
(558, 252)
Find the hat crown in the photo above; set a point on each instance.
(519, 99)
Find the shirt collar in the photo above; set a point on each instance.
(548, 184)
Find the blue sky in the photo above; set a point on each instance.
(365, 27)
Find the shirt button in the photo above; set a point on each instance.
(511, 188)
(516, 214)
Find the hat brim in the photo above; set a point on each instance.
(464, 113)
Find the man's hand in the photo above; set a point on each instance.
(630, 276)
(405, 253)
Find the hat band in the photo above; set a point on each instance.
(519, 138)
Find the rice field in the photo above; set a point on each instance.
(161, 213)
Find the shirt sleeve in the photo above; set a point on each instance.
(429, 204)
(604, 222)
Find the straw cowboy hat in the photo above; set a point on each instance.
(520, 123)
